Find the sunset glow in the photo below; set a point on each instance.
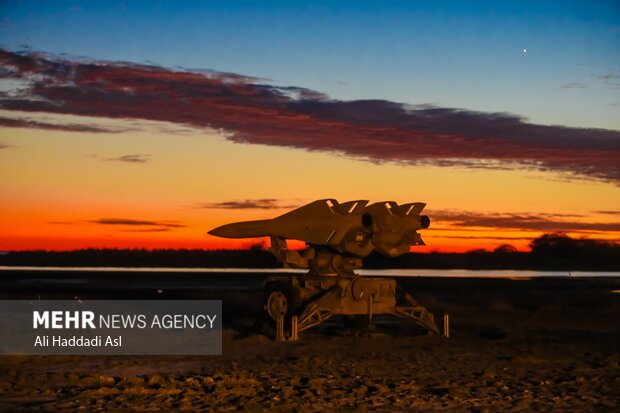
(111, 152)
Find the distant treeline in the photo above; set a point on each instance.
(548, 252)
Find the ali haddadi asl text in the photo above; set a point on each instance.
(78, 341)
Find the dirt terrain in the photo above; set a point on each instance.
(516, 345)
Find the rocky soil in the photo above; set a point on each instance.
(531, 348)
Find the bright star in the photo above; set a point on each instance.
(524, 50)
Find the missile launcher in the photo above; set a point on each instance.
(337, 236)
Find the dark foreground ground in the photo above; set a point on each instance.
(516, 345)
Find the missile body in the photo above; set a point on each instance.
(352, 228)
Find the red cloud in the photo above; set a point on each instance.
(524, 221)
(257, 113)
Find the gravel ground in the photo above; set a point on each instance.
(531, 348)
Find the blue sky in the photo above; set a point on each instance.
(455, 54)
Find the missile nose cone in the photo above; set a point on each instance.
(248, 229)
(223, 231)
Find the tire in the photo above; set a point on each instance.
(280, 298)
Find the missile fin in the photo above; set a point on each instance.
(378, 207)
(351, 207)
(413, 209)
(417, 208)
(313, 210)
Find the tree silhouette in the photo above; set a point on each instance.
(505, 248)
(555, 251)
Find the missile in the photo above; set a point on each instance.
(353, 227)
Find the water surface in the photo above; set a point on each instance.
(365, 272)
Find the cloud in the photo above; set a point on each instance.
(494, 238)
(251, 112)
(24, 123)
(525, 221)
(147, 230)
(573, 85)
(153, 226)
(606, 77)
(608, 212)
(266, 203)
(609, 79)
(134, 222)
(131, 158)
(497, 238)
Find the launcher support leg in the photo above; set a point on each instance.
(446, 326)
(280, 328)
(294, 329)
(418, 315)
(280, 333)
(318, 310)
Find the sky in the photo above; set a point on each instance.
(146, 124)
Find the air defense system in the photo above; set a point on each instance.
(337, 236)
